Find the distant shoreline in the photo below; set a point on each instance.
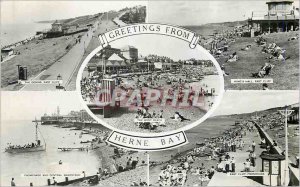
(50, 21)
(9, 43)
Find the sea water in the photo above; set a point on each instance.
(12, 33)
(210, 128)
(44, 162)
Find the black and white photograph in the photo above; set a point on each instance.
(43, 46)
(55, 142)
(251, 40)
(242, 139)
(150, 84)
(149, 93)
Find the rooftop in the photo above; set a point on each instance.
(279, 1)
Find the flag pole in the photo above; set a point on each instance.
(286, 113)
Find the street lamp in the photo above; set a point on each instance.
(286, 113)
(59, 78)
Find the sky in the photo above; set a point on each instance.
(30, 11)
(238, 102)
(161, 45)
(28, 105)
(202, 12)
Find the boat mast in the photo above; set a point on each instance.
(36, 133)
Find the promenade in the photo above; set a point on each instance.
(104, 26)
(240, 156)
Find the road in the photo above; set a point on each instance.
(105, 25)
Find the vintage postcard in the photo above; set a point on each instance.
(149, 93)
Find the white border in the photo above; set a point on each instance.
(187, 127)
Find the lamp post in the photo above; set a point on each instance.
(286, 113)
(59, 78)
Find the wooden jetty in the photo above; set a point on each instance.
(72, 148)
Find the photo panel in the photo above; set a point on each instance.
(241, 144)
(55, 142)
(255, 42)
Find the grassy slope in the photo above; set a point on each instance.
(285, 74)
(36, 55)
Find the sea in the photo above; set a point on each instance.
(44, 162)
(209, 128)
(12, 33)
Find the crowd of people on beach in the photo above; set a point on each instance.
(143, 113)
(167, 84)
(215, 148)
(116, 167)
(90, 85)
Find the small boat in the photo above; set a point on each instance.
(85, 141)
(200, 144)
(85, 132)
(31, 147)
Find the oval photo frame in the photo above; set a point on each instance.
(104, 42)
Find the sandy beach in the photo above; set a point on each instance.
(195, 135)
(108, 157)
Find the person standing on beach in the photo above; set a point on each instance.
(234, 143)
(232, 164)
(12, 183)
(129, 164)
(247, 165)
(252, 156)
(253, 146)
(230, 146)
(135, 162)
(227, 165)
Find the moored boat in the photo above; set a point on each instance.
(25, 150)
(32, 147)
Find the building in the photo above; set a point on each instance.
(6, 52)
(114, 63)
(56, 27)
(294, 117)
(130, 53)
(281, 16)
(84, 116)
